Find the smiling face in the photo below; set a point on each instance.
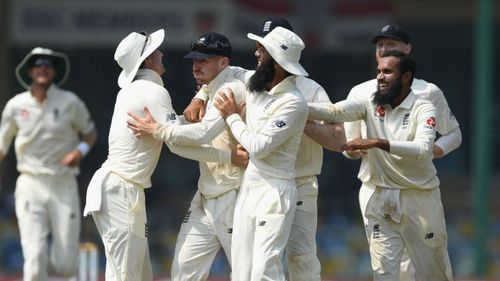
(205, 70)
(389, 81)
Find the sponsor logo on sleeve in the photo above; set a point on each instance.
(278, 123)
(430, 123)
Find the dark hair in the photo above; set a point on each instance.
(406, 63)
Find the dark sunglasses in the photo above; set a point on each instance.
(216, 47)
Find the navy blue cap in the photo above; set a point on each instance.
(42, 61)
(210, 45)
(271, 23)
(393, 31)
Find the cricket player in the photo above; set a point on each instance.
(405, 210)
(208, 224)
(302, 261)
(276, 114)
(53, 131)
(393, 38)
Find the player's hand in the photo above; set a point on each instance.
(239, 156)
(195, 111)
(225, 103)
(142, 126)
(363, 144)
(72, 158)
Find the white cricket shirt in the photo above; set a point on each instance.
(133, 158)
(410, 130)
(445, 120)
(216, 177)
(45, 131)
(274, 125)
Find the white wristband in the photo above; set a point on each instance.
(83, 147)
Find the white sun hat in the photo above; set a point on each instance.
(57, 60)
(133, 50)
(285, 47)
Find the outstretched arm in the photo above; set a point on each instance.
(330, 136)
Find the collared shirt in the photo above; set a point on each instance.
(217, 175)
(310, 155)
(273, 131)
(133, 158)
(410, 130)
(45, 131)
(445, 120)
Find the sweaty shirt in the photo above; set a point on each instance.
(45, 131)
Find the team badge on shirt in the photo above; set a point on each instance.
(430, 123)
(380, 112)
(24, 113)
(171, 118)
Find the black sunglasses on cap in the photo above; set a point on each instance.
(145, 41)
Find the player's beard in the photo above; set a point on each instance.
(264, 74)
(383, 98)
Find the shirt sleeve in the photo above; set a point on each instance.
(282, 124)
(194, 134)
(202, 94)
(8, 128)
(81, 118)
(445, 119)
(421, 146)
(342, 111)
(201, 153)
(352, 129)
(241, 74)
(450, 141)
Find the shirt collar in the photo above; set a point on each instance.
(408, 101)
(148, 74)
(284, 85)
(217, 82)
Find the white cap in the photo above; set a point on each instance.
(285, 47)
(133, 50)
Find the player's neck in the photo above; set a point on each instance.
(39, 92)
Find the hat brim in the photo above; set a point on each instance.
(290, 66)
(198, 55)
(157, 37)
(60, 61)
(379, 36)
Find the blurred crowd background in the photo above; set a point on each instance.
(338, 55)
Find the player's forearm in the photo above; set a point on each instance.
(201, 153)
(449, 142)
(330, 136)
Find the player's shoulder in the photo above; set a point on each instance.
(425, 89)
(365, 89)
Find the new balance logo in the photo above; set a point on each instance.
(262, 223)
(429, 235)
(299, 203)
(230, 230)
(278, 123)
(284, 47)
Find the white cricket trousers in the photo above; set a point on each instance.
(121, 223)
(48, 205)
(422, 231)
(206, 228)
(303, 264)
(262, 220)
(407, 269)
